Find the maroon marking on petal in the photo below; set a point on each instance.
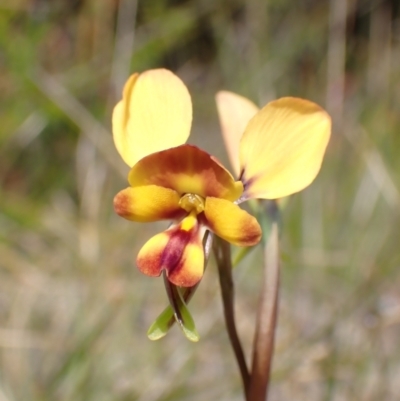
(173, 252)
(184, 281)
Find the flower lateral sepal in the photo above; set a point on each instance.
(180, 312)
(161, 325)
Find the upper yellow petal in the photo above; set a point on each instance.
(282, 148)
(234, 113)
(154, 114)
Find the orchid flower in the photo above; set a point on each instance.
(280, 152)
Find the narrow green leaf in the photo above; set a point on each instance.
(161, 325)
(186, 322)
(164, 322)
(177, 311)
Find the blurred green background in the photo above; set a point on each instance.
(74, 310)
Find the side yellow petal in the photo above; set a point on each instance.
(148, 203)
(234, 113)
(282, 148)
(231, 223)
(154, 114)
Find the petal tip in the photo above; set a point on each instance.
(121, 204)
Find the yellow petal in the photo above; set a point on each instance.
(178, 251)
(282, 148)
(148, 203)
(234, 113)
(189, 271)
(231, 223)
(186, 169)
(155, 113)
(149, 259)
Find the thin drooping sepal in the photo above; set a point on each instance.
(223, 257)
(166, 319)
(181, 312)
(266, 318)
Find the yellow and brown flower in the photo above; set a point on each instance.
(280, 153)
(187, 185)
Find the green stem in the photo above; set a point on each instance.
(263, 346)
(224, 262)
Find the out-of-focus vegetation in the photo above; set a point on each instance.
(73, 308)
